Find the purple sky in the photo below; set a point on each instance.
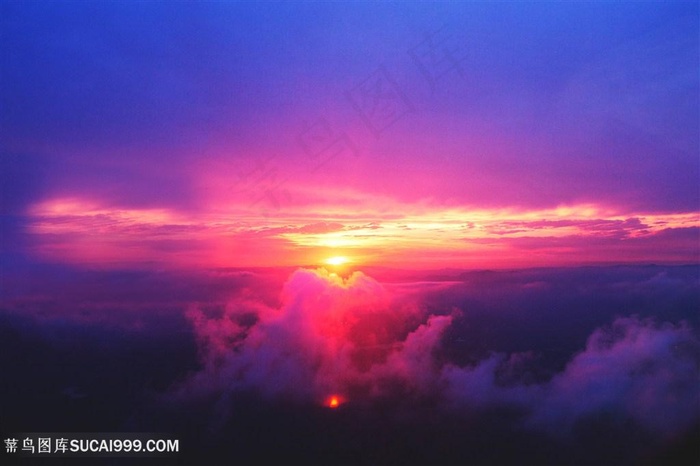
(245, 134)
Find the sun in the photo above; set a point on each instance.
(337, 260)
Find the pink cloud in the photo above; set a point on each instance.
(422, 236)
(330, 335)
(356, 339)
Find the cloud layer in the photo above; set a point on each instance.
(353, 338)
(590, 365)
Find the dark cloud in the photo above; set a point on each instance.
(633, 368)
(618, 241)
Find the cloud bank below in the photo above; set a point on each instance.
(356, 339)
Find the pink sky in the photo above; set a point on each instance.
(436, 135)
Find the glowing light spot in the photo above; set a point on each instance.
(337, 260)
(333, 402)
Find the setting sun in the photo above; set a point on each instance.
(337, 260)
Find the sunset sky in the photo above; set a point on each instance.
(345, 232)
(407, 135)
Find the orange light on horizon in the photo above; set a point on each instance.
(85, 230)
(337, 260)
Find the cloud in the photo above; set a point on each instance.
(479, 387)
(88, 230)
(364, 342)
(634, 368)
(537, 358)
(330, 335)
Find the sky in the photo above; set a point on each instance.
(410, 135)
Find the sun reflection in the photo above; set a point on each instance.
(333, 401)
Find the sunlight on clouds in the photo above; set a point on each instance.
(68, 208)
(79, 230)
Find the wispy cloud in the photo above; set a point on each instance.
(79, 230)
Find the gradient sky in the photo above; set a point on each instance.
(412, 135)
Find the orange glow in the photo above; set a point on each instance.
(337, 260)
(84, 230)
(334, 402)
